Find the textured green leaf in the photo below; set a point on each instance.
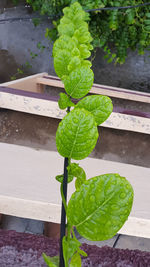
(79, 82)
(51, 261)
(66, 29)
(61, 62)
(100, 106)
(86, 63)
(84, 51)
(83, 35)
(64, 101)
(64, 42)
(76, 260)
(77, 134)
(101, 206)
(70, 246)
(75, 170)
(74, 63)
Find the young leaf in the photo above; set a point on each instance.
(70, 246)
(100, 106)
(75, 260)
(51, 261)
(63, 42)
(84, 51)
(61, 62)
(79, 82)
(60, 178)
(74, 63)
(64, 101)
(101, 206)
(66, 29)
(83, 253)
(77, 134)
(75, 170)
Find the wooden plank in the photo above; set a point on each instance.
(41, 104)
(29, 189)
(102, 89)
(34, 83)
(136, 227)
(28, 83)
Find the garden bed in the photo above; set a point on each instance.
(20, 250)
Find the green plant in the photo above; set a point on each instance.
(112, 30)
(100, 205)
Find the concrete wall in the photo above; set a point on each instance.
(18, 39)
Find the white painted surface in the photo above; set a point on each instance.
(49, 108)
(28, 187)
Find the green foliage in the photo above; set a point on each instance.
(70, 246)
(77, 134)
(79, 82)
(99, 206)
(120, 29)
(100, 106)
(64, 101)
(51, 261)
(75, 170)
(75, 260)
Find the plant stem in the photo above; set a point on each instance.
(63, 213)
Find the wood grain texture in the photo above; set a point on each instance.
(101, 89)
(45, 107)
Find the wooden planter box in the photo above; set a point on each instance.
(28, 188)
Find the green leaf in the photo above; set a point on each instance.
(66, 29)
(51, 261)
(61, 62)
(64, 42)
(101, 206)
(84, 51)
(83, 253)
(79, 82)
(60, 178)
(75, 170)
(77, 134)
(74, 63)
(100, 106)
(64, 101)
(70, 246)
(86, 63)
(76, 260)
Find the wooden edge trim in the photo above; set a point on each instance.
(50, 212)
(31, 209)
(101, 89)
(24, 80)
(47, 97)
(50, 109)
(136, 227)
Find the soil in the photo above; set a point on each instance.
(20, 250)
